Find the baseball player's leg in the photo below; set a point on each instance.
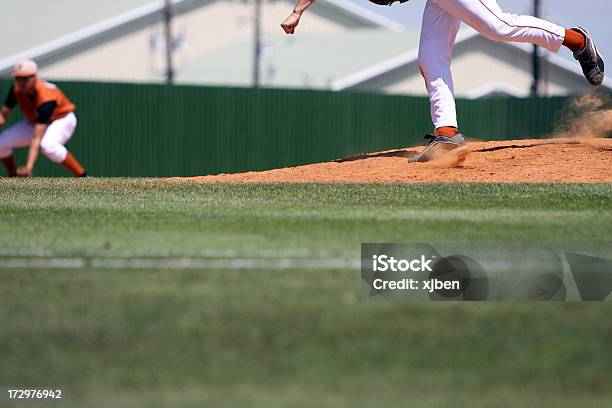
(438, 34)
(18, 135)
(53, 143)
(486, 17)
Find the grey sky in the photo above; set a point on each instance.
(593, 14)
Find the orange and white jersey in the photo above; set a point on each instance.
(44, 93)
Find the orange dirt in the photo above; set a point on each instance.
(523, 161)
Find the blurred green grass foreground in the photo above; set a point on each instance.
(160, 335)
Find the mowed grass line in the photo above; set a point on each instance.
(100, 214)
(302, 338)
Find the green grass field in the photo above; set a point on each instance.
(153, 335)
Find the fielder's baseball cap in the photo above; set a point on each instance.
(25, 68)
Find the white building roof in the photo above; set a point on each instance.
(58, 27)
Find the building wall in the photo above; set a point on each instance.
(203, 30)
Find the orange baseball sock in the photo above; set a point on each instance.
(11, 167)
(73, 165)
(448, 131)
(574, 40)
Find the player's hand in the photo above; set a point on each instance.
(24, 171)
(2, 120)
(290, 23)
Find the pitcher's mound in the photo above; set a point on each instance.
(528, 161)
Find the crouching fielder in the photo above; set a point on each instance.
(49, 123)
(441, 22)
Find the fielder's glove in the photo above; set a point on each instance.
(386, 2)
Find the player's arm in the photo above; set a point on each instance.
(45, 112)
(294, 18)
(39, 131)
(8, 106)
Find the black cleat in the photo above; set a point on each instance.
(590, 59)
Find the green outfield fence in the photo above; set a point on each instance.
(159, 130)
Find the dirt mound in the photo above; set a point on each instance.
(550, 160)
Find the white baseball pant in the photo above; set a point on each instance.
(441, 21)
(52, 144)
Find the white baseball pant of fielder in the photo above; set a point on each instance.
(52, 144)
